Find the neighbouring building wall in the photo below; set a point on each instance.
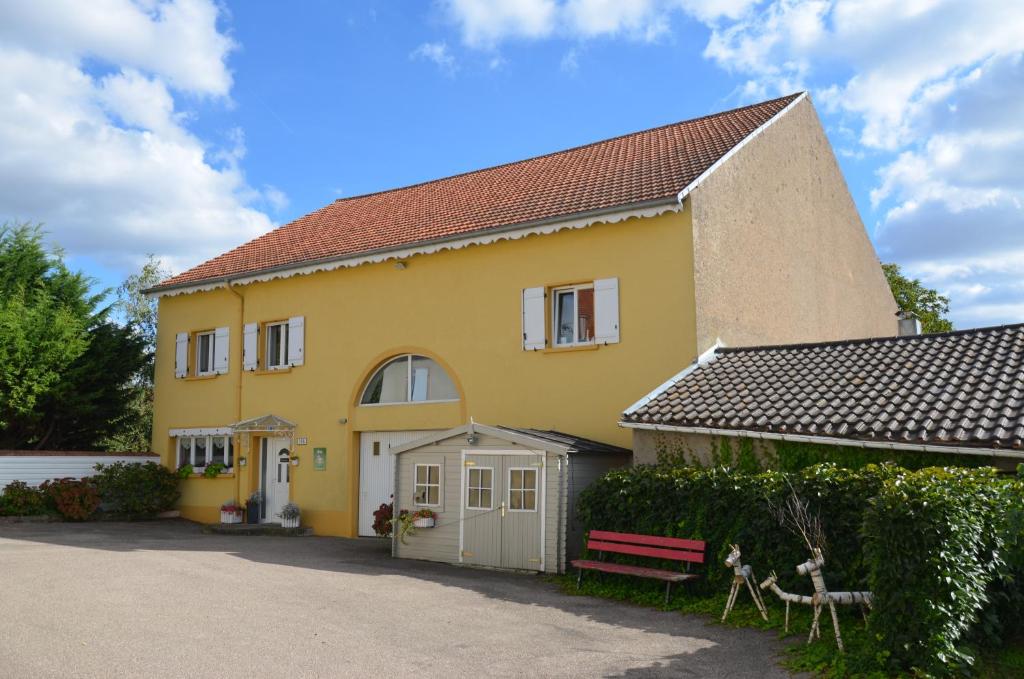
(649, 446)
(780, 253)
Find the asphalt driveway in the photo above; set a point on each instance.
(163, 600)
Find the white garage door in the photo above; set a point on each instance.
(377, 471)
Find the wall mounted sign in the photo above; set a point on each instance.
(319, 459)
(301, 441)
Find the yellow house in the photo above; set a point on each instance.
(546, 294)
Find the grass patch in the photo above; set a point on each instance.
(821, 657)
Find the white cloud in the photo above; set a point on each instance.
(95, 144)
(570, 62)
(486, 23)
(438, 53)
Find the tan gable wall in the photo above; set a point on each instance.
(780, 252)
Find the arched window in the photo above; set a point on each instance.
(409, 379)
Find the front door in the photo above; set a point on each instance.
(275, 474)
(503, 510)
(377, 471)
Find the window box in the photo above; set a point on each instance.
(424, 522)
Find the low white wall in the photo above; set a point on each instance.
(34, 469)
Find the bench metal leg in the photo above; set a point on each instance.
(668, 591)
(579, 580)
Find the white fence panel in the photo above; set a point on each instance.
(34, 469)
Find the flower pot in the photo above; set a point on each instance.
(289, 523)
(423, 522)
(230, 517)
(252, 512)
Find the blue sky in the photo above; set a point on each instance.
(185, 127)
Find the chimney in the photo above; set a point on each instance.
(908, 324)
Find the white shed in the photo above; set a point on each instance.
(503, 497)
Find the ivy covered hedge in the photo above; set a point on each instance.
(944, 548)
(941, 548)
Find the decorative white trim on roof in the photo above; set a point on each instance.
(268, 423)
(201, 431)
(735, 149)
(704, 358)
(829, 440)
(530, 442)
(426, 248)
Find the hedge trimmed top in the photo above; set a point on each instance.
(963, 388)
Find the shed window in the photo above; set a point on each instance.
(409, 379)
(480, 488)
(522, 490)
(427, 489)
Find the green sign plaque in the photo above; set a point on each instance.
(319, 459)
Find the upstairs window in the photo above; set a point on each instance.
(276, 350)
(205, 343)
(573, 315)
(565, 316)
(409, 379)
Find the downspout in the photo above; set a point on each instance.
(238, 393)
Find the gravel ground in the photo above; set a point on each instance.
(163, 600)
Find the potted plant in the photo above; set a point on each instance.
(212, 471)
(289, 515)
(423, 518)
(408, 521)
(231, 512)
(252, 507)
(185, 471)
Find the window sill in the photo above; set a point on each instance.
(272, 371)
(576, 347)
(198, 378)
(222, 475)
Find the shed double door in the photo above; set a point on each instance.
(503, 510)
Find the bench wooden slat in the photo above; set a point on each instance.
(640, 571)
(652, 540)
(641, 550)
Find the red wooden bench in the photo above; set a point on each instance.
(634, 544)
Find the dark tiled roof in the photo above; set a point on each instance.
(628, 170)
(961, 388)
(577, 443)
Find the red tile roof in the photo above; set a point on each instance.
(629, 170)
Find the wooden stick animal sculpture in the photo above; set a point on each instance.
(820, 598)
(741, 574)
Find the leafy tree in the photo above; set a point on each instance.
(912, 295)
(139, 313)
(65, 367)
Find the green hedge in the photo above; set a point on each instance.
(136, 489)
(721, 506)
(940, 547)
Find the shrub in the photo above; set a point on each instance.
(137, 489)
(382, 520)
(75, 499)
(941, 551)
(21, 499)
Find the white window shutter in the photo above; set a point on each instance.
(221, 349)
(296, 340)
(250, 346)
(181, 354)
(606, 310)
(533, 319)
